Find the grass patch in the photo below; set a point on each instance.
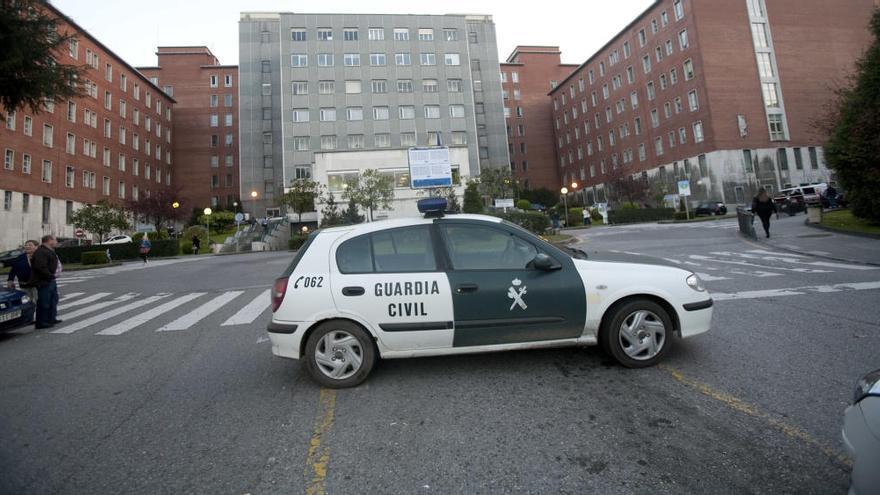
(845, 221)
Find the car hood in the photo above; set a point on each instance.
(10, 295)
(635, 259)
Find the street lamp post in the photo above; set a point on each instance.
(207, 212)
(564, 192)
(175, 205)
(254, 198)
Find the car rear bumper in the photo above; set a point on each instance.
(695, 317)
(286, 338)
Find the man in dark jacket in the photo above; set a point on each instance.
(21, 267)
(44, 263)
(764, 207)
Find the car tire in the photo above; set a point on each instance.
(627, 347)
(343, 348)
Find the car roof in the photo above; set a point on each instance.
(404, 222)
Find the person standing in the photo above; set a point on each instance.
(763, 207)
(196, 244)
(44, 266)
(586, 213)
(831, 196)
(145, 247)
(21, 270)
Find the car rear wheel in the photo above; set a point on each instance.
(340, 354)
(637, 334)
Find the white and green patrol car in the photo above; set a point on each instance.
(466, 284)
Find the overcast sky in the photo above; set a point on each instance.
(133, 30)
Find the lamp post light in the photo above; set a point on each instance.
(207, 212)
(564, 192)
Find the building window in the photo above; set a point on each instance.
(7, 200)
(376, 34)
(326, 87)
(777, 128)
(452, 59)
(426, 34)
(382, 140)
(350, 34)
(301, 143)
(658, 146)
(354, 113)
(457, 111)
(356, 141)
(404, 86)
(299, 88)
(814, 158)
(407, 139)
(298, 34)
(646, 64)
(450, 34)
(48, 135)
(683, 39)
(381, 113)
(350, 59)
(651, 92)
(771, 95)
(379, 86)
(377, 59)
(688, 68)
(9, 160)
(46, 174)
(300, 114)
(472, 37)
(678, 9)
(698, 132)
(327, 114)
(325, 34)
(401, 34)
(432, 112)
(798, 159)
(759, 35)
(296, 60)
(227, 121)
(643, 39)
(352, 87)
(406, 112)
(692, 100)
(430, 86)
(47, 207)
(402, 59)
(782, 159)
(328, 142)
(428, 58)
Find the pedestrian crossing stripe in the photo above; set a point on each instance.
(146, 316)
(249, 313)
(85, 300)
(73, 327)
(98, 306)
(198, 314)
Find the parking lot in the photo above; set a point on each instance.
(161, 380)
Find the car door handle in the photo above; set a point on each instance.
(353, 291)
(462, 288)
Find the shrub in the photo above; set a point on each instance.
(575, 217)
(93, 258)
(595, 216)
(680, 215)
(127, 251)
(524, 204)
(186, 247)
(532, 221)
(629, 205)
(640, 215)
(296, 241)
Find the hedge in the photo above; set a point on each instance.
(575, 217)
(94, 258)
(533, 221)
(296, 242)
(640, 215)
(680, 215)
(127, 251)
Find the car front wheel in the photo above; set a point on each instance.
(637, 333)
(340, 354)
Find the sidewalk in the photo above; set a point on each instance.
(793, 235)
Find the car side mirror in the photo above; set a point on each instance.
(545, 263)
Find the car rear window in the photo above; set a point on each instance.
(407, 249)
(300, 254)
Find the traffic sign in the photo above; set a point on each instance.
(684, 187)
(79, 233)
(504, 203)
(239, 218)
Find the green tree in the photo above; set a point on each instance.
(524, 204)
(218, 219)
(158, 208)
(350, 215)
(29, 73)
(330, 214)
(100, 219)
(473, 202)
(497, 183)
(853, 148)
(371, 190)
(302, 195)
(541, 196)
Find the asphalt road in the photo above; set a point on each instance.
(111, 405)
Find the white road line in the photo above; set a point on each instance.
(85, 300)
(745, 263)
(771, 253)
(785, 258)
(98, 306)
(794, 291)
(710, 278)
(249, 313)
(109, 314)
(202, 311)
(146, 316)
(70, 296)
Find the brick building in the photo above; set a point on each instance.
(205, 122)
(113, 143)
(529, 73)
(722, 93)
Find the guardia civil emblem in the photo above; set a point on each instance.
(516, 293)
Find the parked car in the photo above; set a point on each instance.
(710, 208)
(74, 242)
(118, 239)
(6, 257)
(16, 309)
(861, 434)
(469, 283)
(795, 199)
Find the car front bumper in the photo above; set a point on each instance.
(286, 338)
(27, 316)
(695, 317)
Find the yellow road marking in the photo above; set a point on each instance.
(319, 452)
(752, 410)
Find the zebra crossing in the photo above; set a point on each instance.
(77, 277)
(113, 314)
(756, 263)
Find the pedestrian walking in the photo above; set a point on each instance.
(265, 223)
(21, 270)
(145, 247)
(587, 219)
(831, 196)
(196, 244)
(764, 207)
(44, 267)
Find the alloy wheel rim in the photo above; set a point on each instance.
(339, 355)
(642, 335)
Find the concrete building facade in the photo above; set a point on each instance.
(205, 124)
(527, 76)
(332, 82)
(114, 143)
(725, 94)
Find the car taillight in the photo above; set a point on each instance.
(278, 291)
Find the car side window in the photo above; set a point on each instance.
(475, 247)
(391, 251)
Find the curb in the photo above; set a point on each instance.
(804, 253)
(864, 235)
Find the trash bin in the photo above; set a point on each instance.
(814, 214)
